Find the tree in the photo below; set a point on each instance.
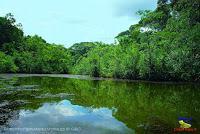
(10, 32)
(7, 64)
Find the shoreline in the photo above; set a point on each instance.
(87, 77)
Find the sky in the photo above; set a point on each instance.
(71, 21)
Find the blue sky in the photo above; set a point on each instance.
(70, 21)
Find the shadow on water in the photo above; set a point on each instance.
(103, 106)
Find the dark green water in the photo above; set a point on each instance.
(94, 106)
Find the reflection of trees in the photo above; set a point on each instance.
(8, 112)
(138, 105)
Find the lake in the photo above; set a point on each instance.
(84, 105)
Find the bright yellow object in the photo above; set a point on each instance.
(184, 125)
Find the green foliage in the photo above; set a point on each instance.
(10, 33)
(40, 57)
(80, 50)
(30, 54)
(7, 64)
(164, 45)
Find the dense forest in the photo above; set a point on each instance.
(164, 45)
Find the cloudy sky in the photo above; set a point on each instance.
(70, 21)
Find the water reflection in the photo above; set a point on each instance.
(103, 106)
(66, 115)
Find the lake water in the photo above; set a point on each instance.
(79, 104)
